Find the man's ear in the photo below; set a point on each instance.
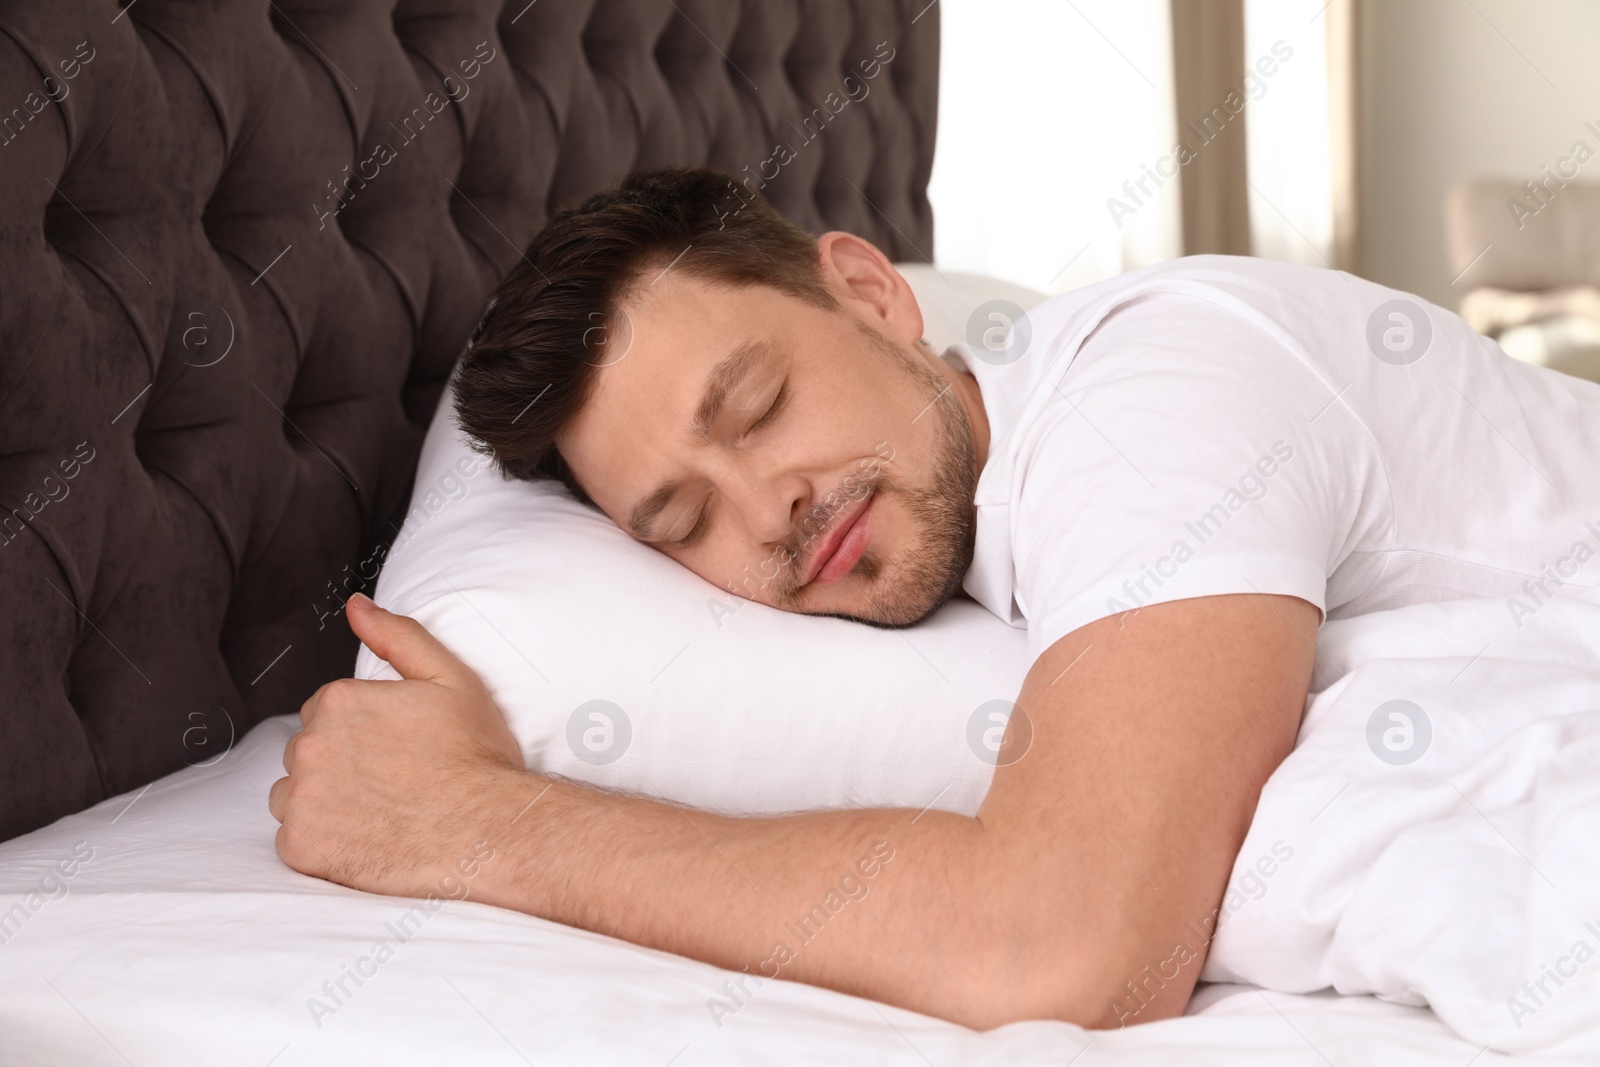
(863, 279)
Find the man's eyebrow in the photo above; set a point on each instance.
(645, 512)
(724, 378)
(720, 384)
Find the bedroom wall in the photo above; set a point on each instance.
(1455, 90)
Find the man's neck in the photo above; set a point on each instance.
(971, 397)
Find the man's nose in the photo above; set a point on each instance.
(773, 507)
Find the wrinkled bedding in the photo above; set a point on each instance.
(1414, 889)
(1441, 816)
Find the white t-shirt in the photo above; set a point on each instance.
(1220, 424)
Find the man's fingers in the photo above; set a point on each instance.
(276, 798)
(404, 642)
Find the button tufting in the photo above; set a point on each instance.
(217, 286)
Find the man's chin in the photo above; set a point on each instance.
(896, 618)
(887, 624)
(888, 605)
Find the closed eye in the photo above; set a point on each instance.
(705, 513)
(777, 404)
(693, 535)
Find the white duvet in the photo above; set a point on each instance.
(1467, 879)
(1442, 811)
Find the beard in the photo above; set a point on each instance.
(903, 588)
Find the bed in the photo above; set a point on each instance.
(183, 939)
(244, 243)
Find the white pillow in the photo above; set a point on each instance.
(960, 308)
(618, 667)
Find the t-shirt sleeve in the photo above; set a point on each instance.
(1180, 457)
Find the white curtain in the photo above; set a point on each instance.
(1055, 163)
(1055, 128)
(1289, 130)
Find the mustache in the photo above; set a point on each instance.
(818, 520)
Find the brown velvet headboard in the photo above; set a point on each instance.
(241, 244)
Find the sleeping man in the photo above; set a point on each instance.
(1169, 479)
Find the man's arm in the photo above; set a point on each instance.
(1093, 858)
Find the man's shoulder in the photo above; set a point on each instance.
(1281, 298)
(1226, 271)
(1170, 358)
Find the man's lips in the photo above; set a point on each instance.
(843, 545)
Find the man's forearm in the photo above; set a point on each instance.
(914, 909)
(1087, 888)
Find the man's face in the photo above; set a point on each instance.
(820, 462)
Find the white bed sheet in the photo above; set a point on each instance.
(185, 940)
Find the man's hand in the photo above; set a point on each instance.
(392, 783)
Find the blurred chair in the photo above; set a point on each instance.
(1528, 257)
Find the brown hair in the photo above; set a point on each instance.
(533, 356)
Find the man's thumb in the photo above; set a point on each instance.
(403, 641)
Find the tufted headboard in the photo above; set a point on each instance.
(241, 244)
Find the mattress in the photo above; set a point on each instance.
(179, 937)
